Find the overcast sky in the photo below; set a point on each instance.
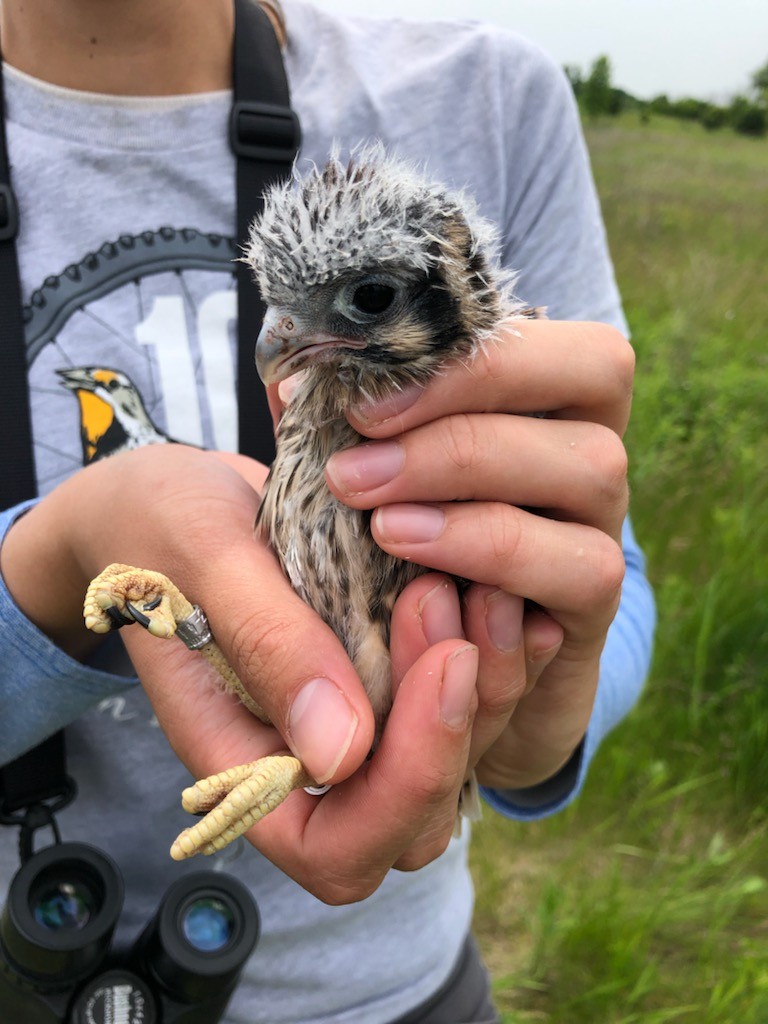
(702, 48)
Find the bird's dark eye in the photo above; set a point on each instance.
(373, 298)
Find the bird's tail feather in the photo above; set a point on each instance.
(469, 803)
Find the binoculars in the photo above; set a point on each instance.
(57, 964)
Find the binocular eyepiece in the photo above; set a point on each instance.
(56, 961)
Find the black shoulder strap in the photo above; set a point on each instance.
(28, 784)
(265, 137)
(17, 479)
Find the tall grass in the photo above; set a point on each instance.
(647, 902)
(687, 216)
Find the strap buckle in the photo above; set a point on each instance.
(264, 131)
(9, 214)
(32, 816)
(60, 794)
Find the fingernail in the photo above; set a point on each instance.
(440, 615)
(385, 408)
(504, 620)
(366, 466)
(321, 725)
(458, 686)
(409, 524)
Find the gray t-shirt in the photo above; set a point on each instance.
(126, 263)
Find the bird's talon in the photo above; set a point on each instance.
(137, 616)
(117, 618)
(160, 627)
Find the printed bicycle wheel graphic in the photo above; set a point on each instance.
(147, 322)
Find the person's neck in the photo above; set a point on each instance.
(130, 47)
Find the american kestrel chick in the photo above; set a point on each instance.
(374, 277)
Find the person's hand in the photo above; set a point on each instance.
(190, 514)
(466, 481)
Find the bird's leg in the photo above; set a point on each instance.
(122, 594)
(233, 800)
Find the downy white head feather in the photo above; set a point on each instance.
(371, 211)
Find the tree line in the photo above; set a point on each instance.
(746, 113)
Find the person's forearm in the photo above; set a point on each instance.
(43, 577)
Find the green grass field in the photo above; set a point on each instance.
(647, 902)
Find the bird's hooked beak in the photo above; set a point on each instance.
(285, 345)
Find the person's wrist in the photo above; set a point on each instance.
(548, 794)
(494, 773)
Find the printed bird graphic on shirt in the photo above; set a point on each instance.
(113, 417)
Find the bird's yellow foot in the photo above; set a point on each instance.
(122, 594)
(234, 800)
